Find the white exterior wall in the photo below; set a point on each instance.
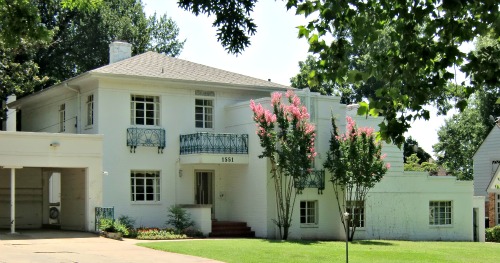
(245, 187)
(483, 167)
(24, 149)
(177, 116)
(398, 208)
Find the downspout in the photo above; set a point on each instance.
(79, 107)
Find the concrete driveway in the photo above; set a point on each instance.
(69, 246)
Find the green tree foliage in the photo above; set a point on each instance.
(287, 138)
(81, 38)
(459, 139)
(411, 147)
(413, 163)
(462, 134)
(414, 44)
(43, 42)
(311, 76)
(356, 164)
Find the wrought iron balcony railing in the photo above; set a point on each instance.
(218, 143)
(315, 179)
(149, 137)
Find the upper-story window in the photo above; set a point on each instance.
(145, 110)
(204, 115)
(62, 117)
(90, 110)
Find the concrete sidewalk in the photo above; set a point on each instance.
(69, 246)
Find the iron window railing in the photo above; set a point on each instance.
(149, 137)
(314, 179)
(204, 142)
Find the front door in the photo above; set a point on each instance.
(204, 194)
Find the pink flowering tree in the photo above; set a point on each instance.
(287, 138)
(356, 164)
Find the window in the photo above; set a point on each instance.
(440, 213)
(204, 113)
(145, 186)
(308, 212)
(498, 209)
(145, 110)
(356, 210)
(62, 117)
(90, 110)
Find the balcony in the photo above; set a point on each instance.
(215, 148)
(315, 179)
(149, 137)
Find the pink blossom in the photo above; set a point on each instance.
(382, 157)
(296, 100)
(289, 93)
(388, 165)
(276, 98)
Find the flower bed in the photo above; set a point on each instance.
(158, 234)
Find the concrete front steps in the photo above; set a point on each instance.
(231, 229)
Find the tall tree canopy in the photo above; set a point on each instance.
(461, 135)
(81, 37)
(414, 44)
(43, 42)
(411, 147)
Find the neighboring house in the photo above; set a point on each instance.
(180, 133)
(486, 162)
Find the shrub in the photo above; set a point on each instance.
(493, 234)
(128, 223)
(179, 219)
(110, 225)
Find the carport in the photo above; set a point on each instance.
(49, 179)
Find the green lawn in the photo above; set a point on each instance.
(260, 250)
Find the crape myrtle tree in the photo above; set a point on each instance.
(355, 162)
(287, 138)
(400, 50)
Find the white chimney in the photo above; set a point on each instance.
(119, 50)
(11, 115)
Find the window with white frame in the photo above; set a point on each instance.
(356, 210)
(145, 186)
(90, 110)
(144, 110)
(204, 113)
(62, 117)
(309, 212)
(440, 212)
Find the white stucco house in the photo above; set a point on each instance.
(486, 173)
(177, 132)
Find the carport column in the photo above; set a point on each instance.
(13, 197)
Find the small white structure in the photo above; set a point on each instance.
(181, 133)
(27, 161)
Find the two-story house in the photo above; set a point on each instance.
(181, 133)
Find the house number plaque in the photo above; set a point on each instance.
(227, 159)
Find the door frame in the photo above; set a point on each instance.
(211, 187)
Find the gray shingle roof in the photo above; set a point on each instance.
(152, 64)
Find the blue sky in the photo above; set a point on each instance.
(274, 53)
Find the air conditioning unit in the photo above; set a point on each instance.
(54, 213)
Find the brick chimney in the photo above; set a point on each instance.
(119, 50)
